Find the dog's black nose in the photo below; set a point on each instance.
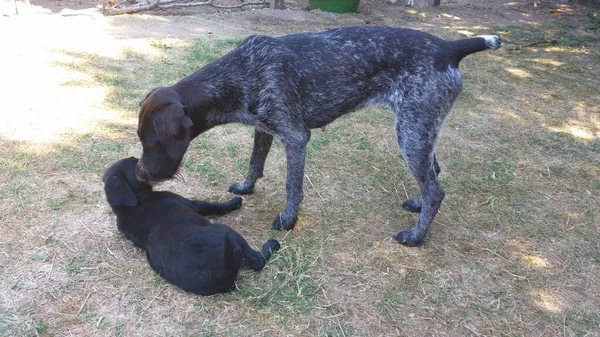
(139, 174)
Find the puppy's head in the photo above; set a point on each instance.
(121, 184)
(164, 129)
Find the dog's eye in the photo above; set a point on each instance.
(152, 145)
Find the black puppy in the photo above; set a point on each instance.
(181, 245)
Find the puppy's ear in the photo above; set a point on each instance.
(118, 193)
(173, 127)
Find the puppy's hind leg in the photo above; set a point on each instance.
(262, 145)
(257, 260)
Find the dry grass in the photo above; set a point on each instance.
(515, 250)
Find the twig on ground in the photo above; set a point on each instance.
(149, 304)
(109, 251)
(404, 187)
(313, 186)
(473, 331)
(537, 43)
(84, 302)
(491, 251)
(86, 227)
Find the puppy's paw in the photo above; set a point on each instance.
(410, 237)
(235, 203)
(272, 245)
(241, 188)
(284, 223)
(412, 205)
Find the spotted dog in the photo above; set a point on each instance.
(285, 86)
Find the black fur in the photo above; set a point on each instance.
(181, 245)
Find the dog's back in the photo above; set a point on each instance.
(330, 73)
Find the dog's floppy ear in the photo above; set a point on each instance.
(118, 193)
(148, 95)
(173, 127)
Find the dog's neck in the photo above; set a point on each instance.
(212, 98)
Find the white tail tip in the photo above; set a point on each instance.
(492, 41)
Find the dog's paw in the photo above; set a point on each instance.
(410, 237)
(235, 203)
(412, 205)
(271, 245)
(284, 223)
(241, 188)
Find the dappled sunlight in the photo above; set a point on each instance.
(546, 301)
(547, 61)
(567, 49)
(576, 131)
(470, 31)
(56, 98)
(450, 16)
(533, 260)
(586, 126)
(518, 72)
(466, 33)
(507, 113)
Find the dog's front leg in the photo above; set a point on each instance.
(262, 145)
(295, 152)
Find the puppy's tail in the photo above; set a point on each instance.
(257, 260)
(455, 51)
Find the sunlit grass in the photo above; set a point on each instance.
(512, 251)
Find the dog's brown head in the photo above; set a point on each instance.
(165, 130)
(121, 184)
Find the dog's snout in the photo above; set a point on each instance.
(139, 173)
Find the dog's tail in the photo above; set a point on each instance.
(457, 50)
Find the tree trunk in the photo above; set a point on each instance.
(436, 3)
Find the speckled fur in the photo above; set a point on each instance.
(285, 86)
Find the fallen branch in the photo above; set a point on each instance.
(537, 43)
(264, 3)
(131, 9)
(174, 4)
(164, 4)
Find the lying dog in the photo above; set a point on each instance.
(285, 86)
(181, 245)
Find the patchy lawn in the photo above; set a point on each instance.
(514, 251)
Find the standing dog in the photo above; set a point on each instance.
(181, 245)
(285, 86)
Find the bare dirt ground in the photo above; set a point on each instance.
(514, 250)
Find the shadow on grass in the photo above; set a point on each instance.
(500, 172)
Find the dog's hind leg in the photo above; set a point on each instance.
(416, 140)
(262, 145)
(414, 205)
(257, 260)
